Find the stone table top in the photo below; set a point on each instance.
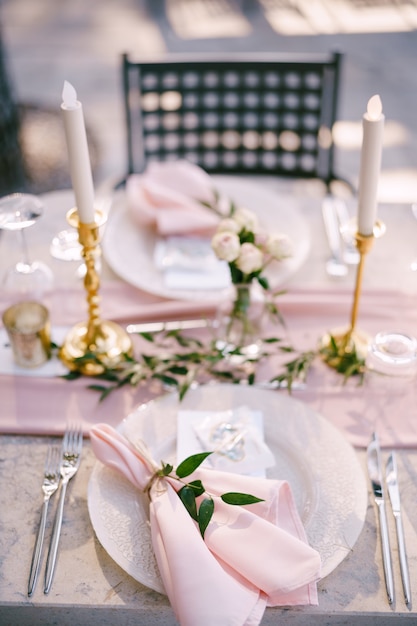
(89, 587)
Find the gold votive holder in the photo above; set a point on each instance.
(28, 328)
(341, 343)
(94, 345)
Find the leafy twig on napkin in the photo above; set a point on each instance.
(201, 510)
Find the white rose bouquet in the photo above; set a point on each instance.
(240, 242)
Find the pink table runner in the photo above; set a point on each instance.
(43, 406)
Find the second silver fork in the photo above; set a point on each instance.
(49, 486)
(70, 462)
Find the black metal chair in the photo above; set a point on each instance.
(267, 114)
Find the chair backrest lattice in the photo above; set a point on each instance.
(264, 115)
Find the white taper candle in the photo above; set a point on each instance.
(78, 155)
(373, 127)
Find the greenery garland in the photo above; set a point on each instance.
(178, 360)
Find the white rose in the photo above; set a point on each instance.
(250, 258)
(246, 219)
(228, 224)
(226, 246)
(279, 246)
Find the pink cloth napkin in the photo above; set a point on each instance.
(251, 557)
(168, 196)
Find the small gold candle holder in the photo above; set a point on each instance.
(344, 342)
(94, 345)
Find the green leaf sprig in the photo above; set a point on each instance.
(197, 501)
(177, 360)
(345, 361)
(180, 360)
(349, 363)
(296, 369)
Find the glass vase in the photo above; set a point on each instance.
(240, 318)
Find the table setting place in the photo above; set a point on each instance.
(210, 396)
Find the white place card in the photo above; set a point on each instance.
(235, 436)
(190, 263)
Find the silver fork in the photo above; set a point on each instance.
(70, 461)
(49, 486)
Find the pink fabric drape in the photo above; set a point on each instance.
(42, 406)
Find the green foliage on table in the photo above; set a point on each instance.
(343, 358)
(178, 362)
(181, 360)
(295, 369)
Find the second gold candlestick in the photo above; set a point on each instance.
(342, 344)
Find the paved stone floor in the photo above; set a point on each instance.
(49, 41)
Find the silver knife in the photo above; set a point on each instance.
(154, 327)
(375, 475)
(394, 496)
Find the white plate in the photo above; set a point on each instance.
(129, 251)
(320, 465)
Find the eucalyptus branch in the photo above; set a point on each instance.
(181, 360)
(296, 369)
(346, 362)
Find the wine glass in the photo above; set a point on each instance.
(65, 245)
(26, 278)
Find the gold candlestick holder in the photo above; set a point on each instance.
(94, 345)
(343, 342)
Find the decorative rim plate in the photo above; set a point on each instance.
(321, 466)
(129, 251)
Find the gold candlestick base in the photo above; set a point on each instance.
(93, 346)
(92, 354)
(341, 345)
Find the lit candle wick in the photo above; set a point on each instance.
(374, 108)
(69, 96)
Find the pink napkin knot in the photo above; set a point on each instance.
(169, 197)
(251, 556)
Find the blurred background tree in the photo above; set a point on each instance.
(12, 169)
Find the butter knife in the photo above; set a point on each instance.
(375, 476)
(154, 327)
(391, 474)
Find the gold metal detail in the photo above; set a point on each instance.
(350, 340)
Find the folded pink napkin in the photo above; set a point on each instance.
(168, 196)
(251, 556)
